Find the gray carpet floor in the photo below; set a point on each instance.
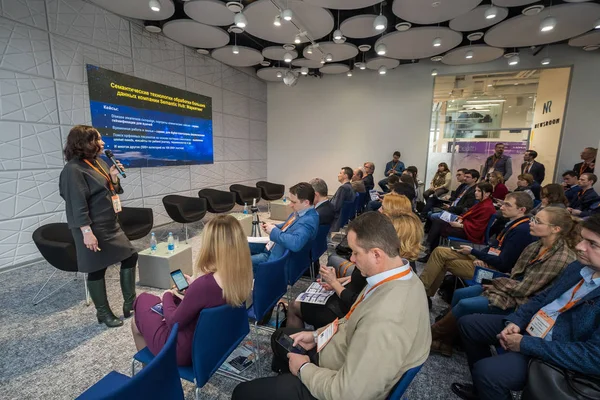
(56, 349)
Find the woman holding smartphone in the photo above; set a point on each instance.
(222, 275)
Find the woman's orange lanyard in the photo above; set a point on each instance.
(104, 174)
(539, 256)
(502, 235)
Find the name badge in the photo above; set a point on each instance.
(494, 251)
(116, 202)
(540, 325)
(490, 170)
(325, 336)
(270, 245)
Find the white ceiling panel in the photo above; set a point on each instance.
(270, 74)
(194, 34)
(417, 43)
(247, 56)
(378, 62)
(432, 11)
(481, 53)
(277, 53)
(475, 19)
(359, 26)
(209, 12)
(340, 52)
(304, 62)
(334, 68)
(587, 39)
(137, 8)
(343, 4)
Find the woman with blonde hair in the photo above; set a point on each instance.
(497, 182)
(393, 204)
(222, 275)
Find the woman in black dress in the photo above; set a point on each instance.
(90, 190)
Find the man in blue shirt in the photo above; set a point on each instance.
(559, 326)
(394, 167)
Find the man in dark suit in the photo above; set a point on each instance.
(322, 205)
(369, 168)
(588, 155)
(530, 166)
(344, 194)
(466, 199)
(587, 196)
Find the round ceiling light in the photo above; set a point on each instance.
(265, 63)
(475, 36)
(514, 60)
(491, 12)
(152, 27)
(597, 24)
(279, 74)
(381, 49)
(309, 50)
(235, 49)
(288, 47)
(287, 14)
(592, 47)
(545, 61)
(380, 23)
(304, 71)
(287, 57)
(382, 70)
(436, 58)
(240, 20)
(364, 47)
(235, 29)
(202, 51)
(297, 39)
(349, 73)
(337, 34)
(329, 57)
(469, 54)
(434, 72)
(437, 42)
(277, 21)
(360, 65)
(533, 10)
(154, 5)
(548, 24)
(403, 26)
(234, 6)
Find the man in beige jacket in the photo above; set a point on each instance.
(385, 334)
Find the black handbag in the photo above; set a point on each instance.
(546, 381)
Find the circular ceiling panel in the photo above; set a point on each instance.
(304, 62)
(270, 74)
(194, 34)
(359, 26)
(277, 53)
(343, 4)
(587, 39)
(261, 14)
(209, 12)
(138, 9)
(339, 52)
(481, 53)
(513, 3)
(378, 62)
(417, 43)
(432, 11)
(522, 31)
(247, 56)
(475, 19)
(334, 68)
(576, 1)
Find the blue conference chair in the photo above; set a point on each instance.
(158, 380)
(403, 383)
(218, 332)
(298, 263)
(487, 233)
(348, 209)
(270, 285)
(318, 248)
(359, 204)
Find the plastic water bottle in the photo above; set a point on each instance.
(171, 243)
(153, 244)
(245, 208)
(284, 199)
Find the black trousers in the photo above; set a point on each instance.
(441, 228)
(129, 262)
(282, 387)
(493, 377)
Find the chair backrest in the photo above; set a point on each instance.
(270, 285)
(218, 332)
(489, 228)
(271, 191)
(347, 209)
(56, 244)
(400, 387)
(136, 222)
(536, 203)
(245, 194)
(320, 243)
(360, 202)
(157, 380)
(298, 263)
(218, 198)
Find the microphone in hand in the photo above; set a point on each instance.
(109, 154)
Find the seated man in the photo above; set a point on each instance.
(301, 226)
(571, 185)
(397, 188)
(559, 326)
(322, 203)
(501, 255)
(587, 196)
(384, 334)
(343, 194)
(394, 167)
(433, 201)
(357, 181)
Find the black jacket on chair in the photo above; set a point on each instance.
(326, 213)
(537, 170)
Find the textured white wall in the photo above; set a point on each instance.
(44, 46)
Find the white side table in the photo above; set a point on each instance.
(245, 220)
(155, 268)
(280, 210)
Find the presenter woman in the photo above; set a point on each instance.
(91, 193)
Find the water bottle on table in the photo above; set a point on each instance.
(245, 208)
(153, 244)
(171, 243)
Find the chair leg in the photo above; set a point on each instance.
(35, 303)
(87, 291)
(186, 233)
(197, 393)
(132, 367)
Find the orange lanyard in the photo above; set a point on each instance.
(391, 278)
(503, 234)
(103, 173)
(539, 256)
(571, 303)
(582, 168)
(581, 193)
(288, 223)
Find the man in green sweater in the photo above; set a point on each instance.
(363, 355)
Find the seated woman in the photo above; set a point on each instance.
(222, 275)
(440, 184)
(410, 231)
(553, 195)
(526, 183)
(537, 267)
(500, 189)
(470, 225)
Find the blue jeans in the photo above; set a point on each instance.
(469, 300)
(258, 254)
(437, 215)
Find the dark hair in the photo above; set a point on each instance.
(569, 173)
(304, 191)
(82, 143)
(407, 179)
(526, 177)
(405, 189)
(348, 172)
(443, 164)
(397, 153)
(591, 177)
(319, 186)
(359, 173)
(592, 223)
(413, 170)
(463, 170)
(554, 193)
(499, 144)
(393, 179)
(375, 231)
(485, 187)
(532, 153)
(522, 199)
(474, 173)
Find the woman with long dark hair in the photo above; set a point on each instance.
(91, 192)
(440, 184)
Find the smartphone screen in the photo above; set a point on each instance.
(179, 280)
(288, 343)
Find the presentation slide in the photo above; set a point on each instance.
(147, 124)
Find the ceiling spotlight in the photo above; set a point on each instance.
(597, 24)
(277, 21)
(323, 60)
(235, 50)
(154, 5)
(297, 39)
(434, 72)
(380, 23)
(337, 34)
(491, 12)
(328, 57)
(545, 61)
(279, 74)
(382, 70)
(514, 60)
(304, 71)
(287, 57)
(381, 49)
(287, 14)
(240, 20)
(362, 66)
(349, 73)
(548, 24)
(437, 42)
(152, 26)
(309, 50)
(469, 54)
